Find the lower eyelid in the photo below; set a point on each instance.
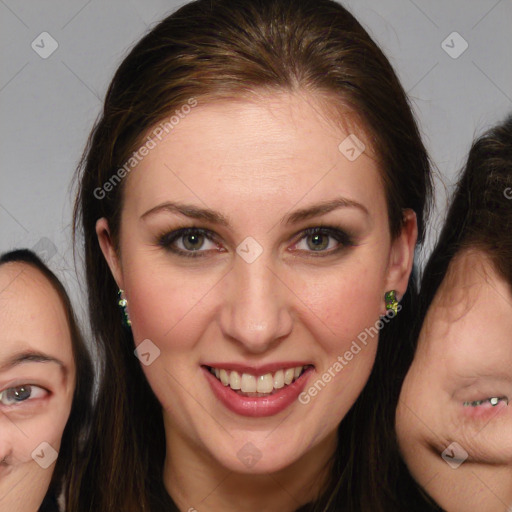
(485, 409)
(189, 251)
(37, 392)
(168, 240)
(339, 248)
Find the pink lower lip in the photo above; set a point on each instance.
(257, 407)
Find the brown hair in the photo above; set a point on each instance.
(206, 51)
(480, 215)
(479, 218)
(64, 474)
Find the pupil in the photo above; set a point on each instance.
(193, 242)
(21, 393)
(318, 242)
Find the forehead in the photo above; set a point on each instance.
(31, 313)
(278, 147)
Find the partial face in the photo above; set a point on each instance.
(253, 255)
(458, 390)
(36, 384)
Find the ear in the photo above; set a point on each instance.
(109, 251)
(401, 256)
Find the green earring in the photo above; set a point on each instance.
(391, 302)
(122, 304)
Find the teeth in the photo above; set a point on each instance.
(224, 377)
(248, 383)
(235, 381)
(263, 384)
(279, 379)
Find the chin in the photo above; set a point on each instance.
(257, 453)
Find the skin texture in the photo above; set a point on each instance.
(464, 354)
(254, 162)
(34, 325)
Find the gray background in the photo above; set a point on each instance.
(48, 106)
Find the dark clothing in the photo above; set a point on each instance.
(49, 503)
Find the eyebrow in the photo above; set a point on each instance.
(188, 210)
(214, 217)
(31, 357)
(496, 377)
(322, 209)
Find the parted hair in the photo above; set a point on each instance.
(212, 50)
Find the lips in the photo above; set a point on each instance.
(257, 392)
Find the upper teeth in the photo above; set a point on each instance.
(248, 383)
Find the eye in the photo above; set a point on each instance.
(11, 396)
(323, 240)
(187, 241)
(493, 401)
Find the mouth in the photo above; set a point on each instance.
(249, 385)
(257, 393)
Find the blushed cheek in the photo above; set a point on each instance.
(346, 325)
(349, 310)
(160, 303)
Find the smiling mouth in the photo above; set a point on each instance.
(248, 385)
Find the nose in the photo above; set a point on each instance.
(6, 439)
(257, 310)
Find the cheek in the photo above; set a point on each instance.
(38, 432)
(344, 316)
(344, 305)
(421, 406)
(163, 303)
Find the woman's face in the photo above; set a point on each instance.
(37, 376)
(247, 292)
(457, 391)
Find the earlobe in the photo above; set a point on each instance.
(109, 251)
(401, 258)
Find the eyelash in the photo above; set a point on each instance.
(30, 398)
(343, 238)
(167, 239)
(477, 403)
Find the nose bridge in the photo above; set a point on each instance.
(257, 309)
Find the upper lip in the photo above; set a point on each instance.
(257, 370)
